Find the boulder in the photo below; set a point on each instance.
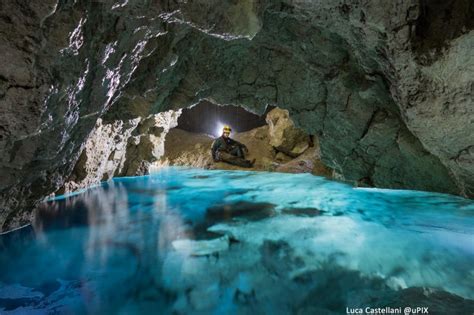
(284, 135)
(282, 157)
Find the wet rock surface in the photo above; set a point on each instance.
(387, 86)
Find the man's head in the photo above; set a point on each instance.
(226, 131)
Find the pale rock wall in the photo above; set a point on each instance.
(121, 148)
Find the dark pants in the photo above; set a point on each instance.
(235, 156)
(238, 152)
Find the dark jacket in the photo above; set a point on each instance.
(222, 144)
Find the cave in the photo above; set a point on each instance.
(343, 186)
(208, 118)
(272, 141)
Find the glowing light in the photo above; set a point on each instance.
(218, 129)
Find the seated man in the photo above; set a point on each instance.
(228, 150)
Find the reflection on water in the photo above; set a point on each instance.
(188, 241)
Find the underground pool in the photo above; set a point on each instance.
(192, 241)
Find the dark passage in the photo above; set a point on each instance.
(441, 21)
(205, 117)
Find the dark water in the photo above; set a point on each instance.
(186, 241)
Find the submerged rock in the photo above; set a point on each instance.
(241, 209)
(279, 258)
(303, 212)
(202, 248)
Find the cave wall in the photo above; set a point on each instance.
(386, 88)
(121, 148)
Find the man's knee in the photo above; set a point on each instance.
(234, 151)
(239, 152)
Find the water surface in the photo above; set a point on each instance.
(189, 241)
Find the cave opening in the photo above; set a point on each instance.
(270, 141)
(208, 118)
(199, 127)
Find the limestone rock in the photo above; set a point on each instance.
(151, 145)
(284, 135)
(308, 162)
(181, 149)
(121, 148)
(282, 157)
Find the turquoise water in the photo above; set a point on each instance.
(188, 241)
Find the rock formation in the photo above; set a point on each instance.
(386, 85)
(121, 148)
(184, 148)
(284, 136)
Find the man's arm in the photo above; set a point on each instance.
(237, 143)
(215, 146)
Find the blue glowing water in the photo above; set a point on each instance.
(188, 241)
